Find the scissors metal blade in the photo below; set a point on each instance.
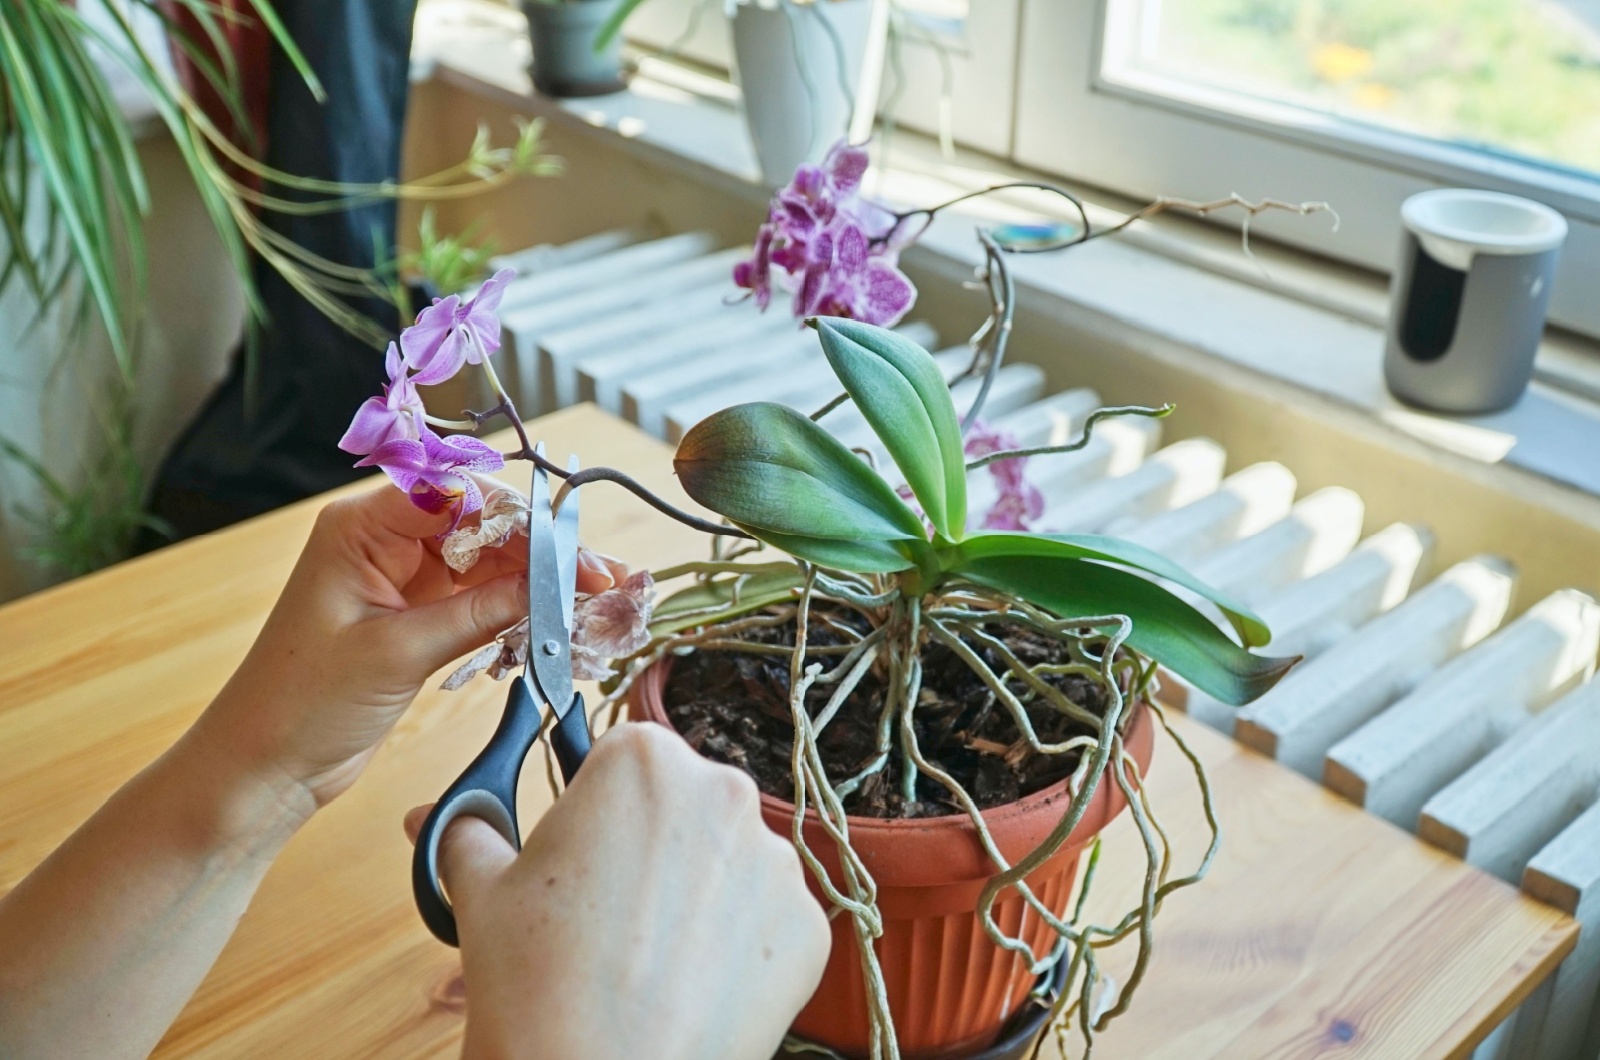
(566, 521)
(549, 628)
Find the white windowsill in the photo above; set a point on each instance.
(1285, 324)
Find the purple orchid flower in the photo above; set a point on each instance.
(451, 332)
(1017, 500)
(433, 470)
(397, 414)
(856, 283)
(832, 244)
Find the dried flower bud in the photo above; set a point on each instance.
(505, 512)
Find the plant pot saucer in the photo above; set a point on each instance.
(1018, 1037)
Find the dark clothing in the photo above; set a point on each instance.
(267, 438)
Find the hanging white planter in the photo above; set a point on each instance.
(809, 74)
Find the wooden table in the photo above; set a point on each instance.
(1321, 931)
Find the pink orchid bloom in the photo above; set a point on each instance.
(1018, 501)
(755, 275)
(832, 245)
(856, 283)
(452, 332)
(434, 470)
(397, 414)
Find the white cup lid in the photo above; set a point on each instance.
(1462, 222)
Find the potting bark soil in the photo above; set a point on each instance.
(733, 707)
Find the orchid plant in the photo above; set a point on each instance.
(894, 546)
(920, 577)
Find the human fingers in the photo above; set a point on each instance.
(431, 581)
(414, 819)
(388, 509)
(594, 576)
(472, 855)
(433, 634)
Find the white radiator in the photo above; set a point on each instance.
(1415, 701)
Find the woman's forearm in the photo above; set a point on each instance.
(103, 944)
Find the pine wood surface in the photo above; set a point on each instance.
(1320, 931)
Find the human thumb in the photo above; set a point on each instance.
(472, 855)
(446, 629)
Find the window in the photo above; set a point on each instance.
(694, 29)
(1357, 102)
(951, 70)
(1520, 77)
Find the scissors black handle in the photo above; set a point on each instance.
(488, 790)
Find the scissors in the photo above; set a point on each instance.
(488, 788)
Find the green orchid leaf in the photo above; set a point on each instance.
(1251, 629)
(687, 607)
(899, 389)
(771, 470)
(1165, 628)
(861, 557)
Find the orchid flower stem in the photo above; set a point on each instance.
(504, 406)
(489, 373)
(1082, 440)
(507, 408)
(1087, 231)
(989, 344)
(932, 211)
(627, 482)
(833, 403)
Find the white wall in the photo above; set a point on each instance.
(193, 316)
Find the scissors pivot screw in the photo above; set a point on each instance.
(550, 647)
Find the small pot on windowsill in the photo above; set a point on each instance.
(565, 62)
(952, 992)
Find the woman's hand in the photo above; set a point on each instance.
(106, 940)
(650, 913)
(369, 613)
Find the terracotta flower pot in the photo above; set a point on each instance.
(950, 989)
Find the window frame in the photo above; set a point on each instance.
(1124, 133)
(657, 24)
(982, 80)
